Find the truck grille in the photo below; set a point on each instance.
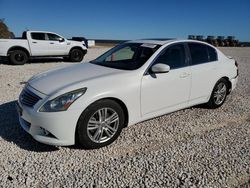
(28, 98)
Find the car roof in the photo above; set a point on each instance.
(151, 41)
(163, 41)
(40, 31)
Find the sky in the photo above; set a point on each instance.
(129, 19)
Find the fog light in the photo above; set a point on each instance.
(45, 132)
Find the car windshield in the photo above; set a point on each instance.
(127, 56)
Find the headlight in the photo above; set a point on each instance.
(62, 102)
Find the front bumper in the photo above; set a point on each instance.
(52, 128)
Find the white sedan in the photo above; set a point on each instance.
(90, 103)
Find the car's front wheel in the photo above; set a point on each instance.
(219, 94)
(100, 124)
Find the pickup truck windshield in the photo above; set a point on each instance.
(127, 56)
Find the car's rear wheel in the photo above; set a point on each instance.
(76, 55)
(100, 124)
(219, 94)
(18, 57)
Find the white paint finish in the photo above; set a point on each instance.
(6, 44)
(37, 47)
(58, 48)
(54, 80)
(161, 91)
(40, 47)
(145, 96)
(203, 78)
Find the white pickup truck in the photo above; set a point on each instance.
(41, 44)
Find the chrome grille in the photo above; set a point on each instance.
(28, 98)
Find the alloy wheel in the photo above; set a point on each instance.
(103, 125)
(220, 93)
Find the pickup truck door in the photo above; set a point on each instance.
(57, 45)
(38, 44)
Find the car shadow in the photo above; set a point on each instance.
(4, 60)
(11, 131)
(47, 60)
(202, 106)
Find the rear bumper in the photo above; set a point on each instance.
(234, 83)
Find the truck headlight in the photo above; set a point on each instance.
(62, 102)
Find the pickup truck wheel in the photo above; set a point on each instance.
(76, 55)
(18, 57)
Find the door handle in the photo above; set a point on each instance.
(184, 75)
(34, 42)
(51, 42)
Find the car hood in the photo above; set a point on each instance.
(56, 79)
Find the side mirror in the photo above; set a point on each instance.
(61, 40)
(160, 68)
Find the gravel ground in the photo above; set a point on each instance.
(195, 147)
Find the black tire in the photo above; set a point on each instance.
(76, 55)
(85, 137)
(213, 102)
(18, 57)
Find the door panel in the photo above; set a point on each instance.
(55, 46)
(203, 79)
(165, 90)
(160, 92)
(204, 60)
(38, 44)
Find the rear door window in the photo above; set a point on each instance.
(38, 36)
(212, 54)
(199, 53)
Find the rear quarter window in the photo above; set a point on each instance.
(212, 54)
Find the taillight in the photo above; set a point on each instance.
(236, 64)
